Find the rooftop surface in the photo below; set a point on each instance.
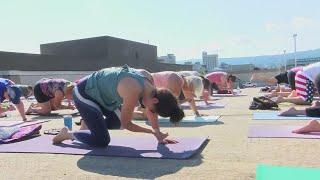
(229, 154)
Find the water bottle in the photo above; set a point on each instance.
(68, 121)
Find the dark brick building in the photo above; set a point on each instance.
(88, 55)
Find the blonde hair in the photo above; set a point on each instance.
(69, 88)
(196, 83)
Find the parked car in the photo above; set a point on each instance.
(250, 84)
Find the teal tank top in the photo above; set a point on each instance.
(102, 85)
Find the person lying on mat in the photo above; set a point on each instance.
(223, 80)
(100, 96)
(49, 94)
(184, 88)
(9, 91)
(207, 89)
(313, 111)
(306, 81)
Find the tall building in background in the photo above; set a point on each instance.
(169, 58)
(210, 60)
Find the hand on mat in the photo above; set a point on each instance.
(161, 137)
(72, 107)
(168, 141)
(290, 112)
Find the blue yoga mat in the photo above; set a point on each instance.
(275, 116)
(192, 119)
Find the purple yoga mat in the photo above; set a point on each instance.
(8, 123)
(278, 131)
(130, 146)
(203, 106)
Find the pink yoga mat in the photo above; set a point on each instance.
(129, 146)
(278, 131)
(8, 123)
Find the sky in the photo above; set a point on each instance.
(231, 28)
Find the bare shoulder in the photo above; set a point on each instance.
(129, 85)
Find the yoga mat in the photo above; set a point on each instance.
(228, 95)
(130, 146)
(20, 123)
(202, 105)
(268, 172)
(278, 131)
(192, 119)
(275, 116)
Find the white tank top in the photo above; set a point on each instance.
(311, 71)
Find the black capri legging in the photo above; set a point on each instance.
(313, 112)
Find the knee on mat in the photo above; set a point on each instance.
(103, 142)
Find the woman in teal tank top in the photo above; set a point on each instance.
(106, 100)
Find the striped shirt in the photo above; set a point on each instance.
(304, 87)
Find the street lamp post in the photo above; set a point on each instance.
(285, 61)
(295, 49)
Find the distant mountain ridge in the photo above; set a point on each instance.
(265, 60)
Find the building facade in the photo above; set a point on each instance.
(302, 62)
(169, 58)
(210, 61)
(85, 55)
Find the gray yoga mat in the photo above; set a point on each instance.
(130, 146)
(275, 116)
(278, 131)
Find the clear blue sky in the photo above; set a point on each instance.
(232, 28)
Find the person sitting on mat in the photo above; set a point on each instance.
(223, 80)
(105, 92)
(184, 88)
(9, 91)
(49, 93)
(306, 81)
(313, 111)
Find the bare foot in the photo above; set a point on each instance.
(290, 112)
(63, 135)
(312, 126)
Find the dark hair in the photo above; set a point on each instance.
(168, 105)
(282, 78)
(231, 78)
(30, 88)
(206, 83)
(214, 86)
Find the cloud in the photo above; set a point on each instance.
(304, 22)
(272, 26)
